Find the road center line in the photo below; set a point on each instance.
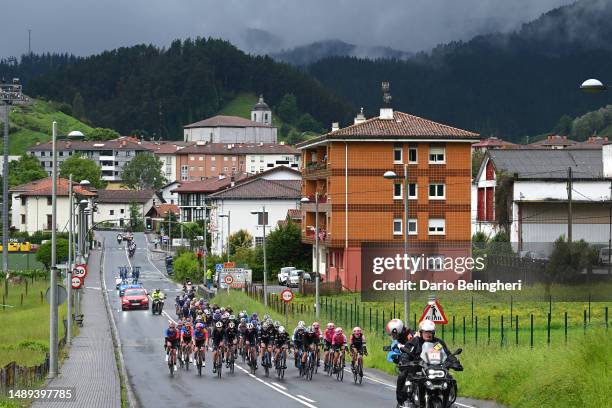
(463, 405)
(307, 399)
(278, 390)
(281, 387)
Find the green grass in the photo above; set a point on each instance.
(242, 105)
(573, 374)
(22, 261)
(32, 123)
(24, 337)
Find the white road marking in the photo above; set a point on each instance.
(463, 405)
(373, 379)
(93, 287)
(304, 398)
(277, 390)
(281, 387)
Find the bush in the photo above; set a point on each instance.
(44, 252)
(186, 268)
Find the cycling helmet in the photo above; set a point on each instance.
(207, 312)
(243, 320)
(357, 330)
(266, 316)
(172, 325)
(222, 310)
(316, 325)
(180, 323)
(338, 330)
(307, 330)
(281, 329)
(231, 325)
(301, 328)
(199, 326)
(232, 317)
(254, 316)
(265, 326)
(427, 326)
(276, 324)
(241, 315)
(198, 318)
(395, 326)
(330, 325)
(158, 290)
(225, 316)
(302, 323)
(188, 323)
(217, 310)
(218, 325)
(217, 316)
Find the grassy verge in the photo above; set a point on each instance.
(21, 261)
(573, 374)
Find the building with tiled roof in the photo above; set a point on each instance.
(357, 206)
(493, 143)
(110, 155)
(234, 129)
(593, 142)
(114, 205)
(31, 204)
(166, 151)
(553, 142)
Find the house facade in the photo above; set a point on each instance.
(358, 206)
(114, 205)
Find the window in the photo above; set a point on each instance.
(266, 116)
(233, 158)
(23, 219)
(397, 155)
(412, 226)
(213, 158)
(412, 155)
(213, 168)
(435, 263)
(184, 173)
(436, 155)
(259, 241)
(397, 191)
(225, 169)
(397, 226)
(412, 191)
(437, 226)
(42, 154)
(233, 169)
(224, 158)
(111, 212)
(49, 201)
(49, 222)
(191, 158)
(191, 168)
(128, 153)
(122, 211)
(61, 154)
(201, 168)
(436, 192)
(201, 158)
(262, 218)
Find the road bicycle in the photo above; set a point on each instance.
(252, 358)
(230, 360)
(281, 364)
(218, 363)
(339, 367)
(171, 360)
(357, 368)
(266, 362)
(186, 353)
(309, 367)
(199, 358)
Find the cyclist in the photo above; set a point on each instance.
(186, 340)
(266, 339)
(178, 305)
(171, 342)
(250, 340)
(316, 329)
(281, 343)
(242, 328)
(328, 335)
(218, 335)
(310, 341)
(338, 345)
(231, 334)
(298, 341)
(200, 338)
(357, 344)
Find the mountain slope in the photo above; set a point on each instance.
(504, 84)
(32, 123)
(160, 90)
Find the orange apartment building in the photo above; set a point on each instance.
(357, 205)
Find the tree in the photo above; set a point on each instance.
(568, 260)
(102, 134)
(240, 239)
(477, 158)
(564, 126)
(78, 106)
(81, 169)
(25, 170)
(307, 123)
(287, 109)
(186, 267)
(143, 172)
(284, 247)
(136, 220)
(43, 255)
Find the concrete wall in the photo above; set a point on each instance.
(231, 134)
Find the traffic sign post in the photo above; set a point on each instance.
(287, 297)
(229, 279)
(434, 312)
(80, 271)
(61, 295)
(77, 282)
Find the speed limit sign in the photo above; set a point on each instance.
(76, 282)
(229, 279)
(80, 271)
(287, 295)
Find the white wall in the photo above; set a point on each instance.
(168, 167)
(241, 218)
(168, 196)
(121, 210)
(557, 190)
(231, 134)
(36, 211)
(257, 163)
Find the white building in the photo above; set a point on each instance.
(234, 129)
(168, 194)
(32, 206)
(537, 208)
(166, 151)
(279, 190)
(114, 205)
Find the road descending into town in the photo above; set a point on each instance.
(141, 336)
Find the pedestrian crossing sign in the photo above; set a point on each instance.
(434, 312)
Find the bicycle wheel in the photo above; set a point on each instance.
(340, 374)
(171, 367)
(219, 363)
(231, 367)
(266, 363)
(360, 365)
(355, 372)
(310, 367)
(198, 360)
(186, 354)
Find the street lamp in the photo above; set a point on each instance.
(10, 94)
(53, 335)
(596, 86)
(264, 221)
(81, 231)
(317, 276)
(391, 175)
(228, 216)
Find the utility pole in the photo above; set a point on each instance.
(229, 214)
(69, 267)
(610, 234)
(53, 339)
(265, 271)
(317, 277)
(407, 274)
(569, 204)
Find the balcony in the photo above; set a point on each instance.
(107, 158)
(308, 235)
(314, 170)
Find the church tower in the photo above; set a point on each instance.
(261, 112)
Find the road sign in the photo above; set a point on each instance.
(219, 267)
(76, 282)
(62, 295)
(434, 312)
(228, 279)
(80, 270)
(229, 265)
(287, 295)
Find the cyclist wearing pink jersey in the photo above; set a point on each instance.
(338, 344)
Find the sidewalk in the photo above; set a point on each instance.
(90, 367)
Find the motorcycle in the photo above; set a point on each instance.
(432, 386)
(157, 306)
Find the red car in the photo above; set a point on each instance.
(134, 299)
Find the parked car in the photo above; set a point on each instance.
(533, 256)
(135, 298)
(294, 278)
(284, 274)
(604, 256)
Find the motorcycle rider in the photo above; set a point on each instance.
(403, 336)
(158, 295)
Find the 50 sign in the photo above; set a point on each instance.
(80, 271)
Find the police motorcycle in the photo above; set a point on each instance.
(432, 386)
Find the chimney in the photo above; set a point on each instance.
(360, 117)
(232, 181)
(335, 126)
(386, 112)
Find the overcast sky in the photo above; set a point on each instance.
(84, 27)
